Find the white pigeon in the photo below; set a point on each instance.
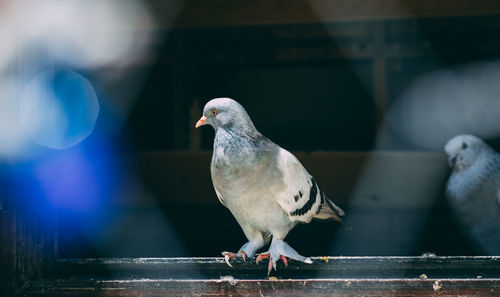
(264, 186)
(473, 190)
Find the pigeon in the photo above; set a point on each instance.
(265, 187)
(473, 191)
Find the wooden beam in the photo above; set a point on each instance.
(7, 252)
(327, 276)
(229, 13)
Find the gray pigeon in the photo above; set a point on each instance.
(473, 191)
(264, 186)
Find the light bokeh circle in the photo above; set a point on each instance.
(59, 108)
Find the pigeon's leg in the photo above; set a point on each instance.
(257, 241)
(281, 250)
(247, 250)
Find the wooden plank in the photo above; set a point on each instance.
(329, 276)
(332, 41)
(7, 251)
(228, 13)
(345, 287)
(322, 267)
(28, 242)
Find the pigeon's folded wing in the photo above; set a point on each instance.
(302, 199)
(220, 197)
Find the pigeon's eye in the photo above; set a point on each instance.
(464, 145)
(213, 111)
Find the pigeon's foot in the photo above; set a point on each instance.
(262, 256)
(230, 255)
(246, 251)
(280, 250)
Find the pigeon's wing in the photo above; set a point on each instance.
(302, 198)
(220, 197)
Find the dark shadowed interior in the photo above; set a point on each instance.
(309, 91)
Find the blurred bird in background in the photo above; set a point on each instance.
(264, 186)
(473, 190)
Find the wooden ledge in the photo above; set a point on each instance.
(327, 276)
(322, 267)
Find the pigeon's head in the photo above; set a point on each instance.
(224, 113)
(463, 150)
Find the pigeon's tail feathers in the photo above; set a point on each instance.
(335, 208)
(329, 211)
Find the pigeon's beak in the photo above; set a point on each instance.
(452, 161)
(201, 122)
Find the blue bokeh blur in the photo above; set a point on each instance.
(79, 180)
(59, 108)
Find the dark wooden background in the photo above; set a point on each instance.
(324, 75)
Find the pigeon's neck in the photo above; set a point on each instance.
(241, 124)
(235, 133)
(239, 145)
(232, 137)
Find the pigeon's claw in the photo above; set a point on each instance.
(230, 255)
(285, 261)
(227, 257)
(272, 262)
(270, 266)
(243, 255)
(262, 256)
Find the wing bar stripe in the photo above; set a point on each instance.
(309, 204)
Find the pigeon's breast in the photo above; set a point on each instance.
(244, 172)
(248, 181)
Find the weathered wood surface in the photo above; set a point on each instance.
(27, 241)
(331, 276)
(322, 287)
